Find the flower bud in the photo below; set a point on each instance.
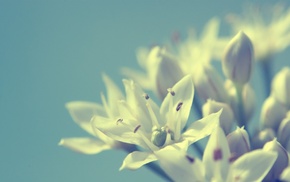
(248, 96)
(226, 117)
(272, 113)
(237, 60)
(281, 86)
(238, 142)
(262, 137)
(281, 162)
(208, 83)
(284, 132)
(168, 73)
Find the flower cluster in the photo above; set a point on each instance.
(158, 136)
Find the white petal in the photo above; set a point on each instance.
(179, 166)
(252, 166)
(177, 108)
(216, 155)
(114, 94)
(119, 130)
(285, 176)
(82, 112)
(202, 128)
(137, 159)
(84, 145)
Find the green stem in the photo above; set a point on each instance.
(151, 166)
(240, 107)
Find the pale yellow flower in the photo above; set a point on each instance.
(268, 28)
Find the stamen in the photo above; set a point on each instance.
(137, 128)
(171, 91)
(179, 106)
(170, 133)
(152, 115)
(120, 120)
(146, 96)
(217, 154)
(190, 159)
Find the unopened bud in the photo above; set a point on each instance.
(284, 133)
(237, 61)
(272, 113)
(248, 99)
(281, 162)
(238, 142)
(209, 84)
(226, 117)
(168, 73)
(281, 86)
(262, 137)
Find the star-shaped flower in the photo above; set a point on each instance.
(143, 123)
(82, 112)
(216, 164)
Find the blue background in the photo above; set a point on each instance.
(52, 52)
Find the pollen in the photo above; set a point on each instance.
(217, 154)
(146, 96)
(171, 91)
(190, 159)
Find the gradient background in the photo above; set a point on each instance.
(52, 52)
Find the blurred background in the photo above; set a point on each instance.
(53, 52)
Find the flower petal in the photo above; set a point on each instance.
(84, 145)
(202, 128)
(285, 174)
(252, 166)
(119, 130)
(82, 112)
(216, 156)
(177, 104)
(179, 166)
(137, 159)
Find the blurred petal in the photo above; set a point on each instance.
(84, 145)
(179, 166)
(82, 112)
(202, 128)
(252, 166)
(285, 174)
(137, 159)
(216, 155)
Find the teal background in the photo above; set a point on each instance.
(53, 52)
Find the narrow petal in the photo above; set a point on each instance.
(216, 155)
(252, 166)
(84, 145)
(177, 104)
(137, 159)
(82, 112)
(119, 130)
(202, 128)
(114, 94)
(179, 166)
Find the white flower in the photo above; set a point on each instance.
(145, 124)
(202, 50)
(82, 112)
(269, 30)
(216, 164)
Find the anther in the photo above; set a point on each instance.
(179, 106)
(137, 128)
(171, 91)
(146, 96)
(190, 159)
(120, 120)
(217, 154)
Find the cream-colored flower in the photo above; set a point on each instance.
(269, 30)
(151, 127)
(83, 111)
